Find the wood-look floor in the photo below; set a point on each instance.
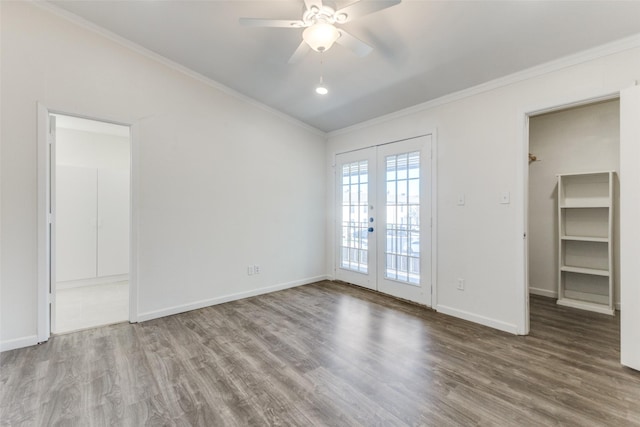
(325, 354)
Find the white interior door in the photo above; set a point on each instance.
(355, 189)
(404, 238)
(384, 218)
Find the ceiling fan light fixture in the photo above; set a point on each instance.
(341, 17)
(320, 36)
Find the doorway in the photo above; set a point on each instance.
(90, 230)
(574, 248)
(384, 217)
(629, 177)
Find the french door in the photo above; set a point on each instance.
(384, 218)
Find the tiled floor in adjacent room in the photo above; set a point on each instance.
(90, 306)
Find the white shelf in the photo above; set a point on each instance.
(584, 190)
(585, 216)
(585, 203)
(587, 222)
(583, 175)
(585, 305)
(583, 270)
(586, 239)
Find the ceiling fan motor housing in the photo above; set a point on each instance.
(322, 14)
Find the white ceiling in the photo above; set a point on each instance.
(423, 49)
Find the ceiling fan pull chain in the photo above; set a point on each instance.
(321, 89)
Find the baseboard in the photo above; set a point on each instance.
(18, 343)
(70, 284)
(482, 320)
(553, 294)
(543, 292)
(227, 298)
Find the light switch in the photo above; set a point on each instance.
(461, 199)
(505, 198)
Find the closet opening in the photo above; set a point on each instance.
(573, 212)
(90, 231)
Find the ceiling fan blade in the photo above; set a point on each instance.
(364, 7)
(300, 52)
(274, 23)
(358, 47)
(316, 3)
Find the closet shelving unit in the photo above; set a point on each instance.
(585, 218)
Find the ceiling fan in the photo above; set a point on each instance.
(319, 21)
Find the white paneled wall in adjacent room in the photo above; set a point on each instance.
(92, 206)
(113, 222)
(577, 140)
(76, 237)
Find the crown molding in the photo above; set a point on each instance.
(527, 74)
(128, 44)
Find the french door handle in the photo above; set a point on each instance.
(370, 230)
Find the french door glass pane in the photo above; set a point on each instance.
(402, 248)
(355, 214)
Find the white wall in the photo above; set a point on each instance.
(630, 228)
(91, 150)
(582, 139)
(220, 182)
(480, 154)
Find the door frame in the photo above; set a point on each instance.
(434, 205)
(46, 193)
(629, 230)
(522, 204)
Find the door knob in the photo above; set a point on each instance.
(370, 229)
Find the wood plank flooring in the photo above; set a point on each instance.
(325, 354)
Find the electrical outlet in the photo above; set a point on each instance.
(250, 270)
(461, 284)
(256, 269)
